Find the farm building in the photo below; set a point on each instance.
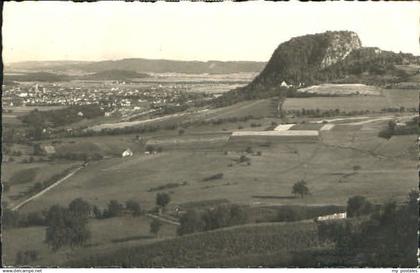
(48, 149)
(334, 216)
(280, 136)
(127, 153)
(284, 127)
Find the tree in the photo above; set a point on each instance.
(238, 215)
(191, 222)
(67, 226)
(115, 209)
(9, 218)
(300, 188)
(155, 227)
(80, 208)
(357, 206)
(217, 218)
(134, 207)
(162, 200)
(97, 212)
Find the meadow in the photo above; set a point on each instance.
(384, 174)
(348, 160)
(107, 235)
(388, 98)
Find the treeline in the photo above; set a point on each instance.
(37, 121)
(83, 132)
(61, 117)
(221, 216)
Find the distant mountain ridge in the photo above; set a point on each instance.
(145, 66)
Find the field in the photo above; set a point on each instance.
(221, 247)
(347, 160)
(342, 89)
(327, 166)
(107, 235)
(388, 98)
(42, 172)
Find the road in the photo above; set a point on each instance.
(39, 194)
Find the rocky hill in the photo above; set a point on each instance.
(332, 56)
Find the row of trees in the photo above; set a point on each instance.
(221, 216)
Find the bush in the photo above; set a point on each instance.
(289, 214)
(134, 207)
(9, 218)
(97, 212)
(213, 177)
(356, 167)
(243, 158)
(249, 150)
(115, 209)
(35, 219)
(357, 206)
(162, 199)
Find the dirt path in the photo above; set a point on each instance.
(39, 194)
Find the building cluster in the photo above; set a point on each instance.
(122, 98)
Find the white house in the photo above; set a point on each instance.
(334, 216)
(284, 84)
(127, 153)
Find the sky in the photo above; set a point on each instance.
(194, 31)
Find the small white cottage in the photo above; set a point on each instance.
(127, 153)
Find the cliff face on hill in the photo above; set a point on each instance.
(296, 60)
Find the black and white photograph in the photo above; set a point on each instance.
(251, 134)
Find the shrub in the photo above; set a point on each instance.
(155, 227)
(162, 199)
(243, 158)
(134, 207)
(357, 206)
(115, 209)
(213, 177)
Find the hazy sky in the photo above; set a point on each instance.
(194, 31)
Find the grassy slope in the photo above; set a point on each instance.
(327, 167)
(390, 98)
(107, 235)
(212, 248)
(44, 171)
